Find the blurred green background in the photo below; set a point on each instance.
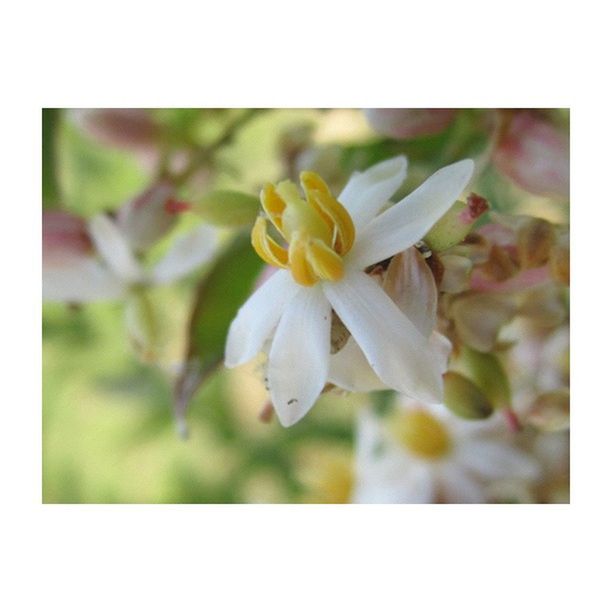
(108, 428)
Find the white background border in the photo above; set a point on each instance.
(289, 557)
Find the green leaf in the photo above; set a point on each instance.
(218, 297)
(50, 183)
(227, 208)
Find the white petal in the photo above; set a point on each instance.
(419, 488)
(405, 483)
(80, 281)
(458, 487)
(411, 285)
(491, 459)
(187, 253)
(384, 473)
(441, 348)
(409, 220)
(298, 363)
(395, 349)
(367, 192)
(114, 248)
(257, 318)
(349, 369)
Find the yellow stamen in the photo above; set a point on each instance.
(300, 268)
(324, 261)
(337, 217)
(318, 230)
(273, 205)
(422, 434)
(267, 248)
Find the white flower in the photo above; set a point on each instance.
(95, 262)
(430, 456)
(112, 269)
(330, 243)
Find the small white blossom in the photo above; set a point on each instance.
(111, 269)
(430, 456)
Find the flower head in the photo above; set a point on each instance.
(426, 455)
(329, 242)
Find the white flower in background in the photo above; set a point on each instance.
(95, 261)
(427, 455)
(103, 266)
(330, 244)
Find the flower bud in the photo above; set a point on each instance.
(500, 266)
(535, 155)
(546, 305)
(65, 238)
(559, 261)
(486, 370)
(478, 318)
(550, 411)
(464, 399)
(456, 277)
(146, 218)
(534, 242)
(227, 208)
(125, 128)
(456, 224)
(402, 123)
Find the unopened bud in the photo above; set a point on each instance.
(500, 266)
(546, 305)
(550, 411)
(464, 398)
(534, 242)
(227, 208)
(402, 123)
(125, 128)
(478, 318)
(457, 269)
(146, 218)
(560, 261)
(487, 371)
(534, 154)
(456, 224)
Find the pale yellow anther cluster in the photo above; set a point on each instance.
(422, 434)
(318, 230)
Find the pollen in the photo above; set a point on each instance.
(422, 434)
(316, 229)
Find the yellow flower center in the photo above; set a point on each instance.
(422, 434)
(331, 481)
(318, 230)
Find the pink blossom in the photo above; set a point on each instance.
(409, 122)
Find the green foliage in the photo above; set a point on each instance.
(227, 208)
(218, 297)
(95, 178)
(50, 184)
